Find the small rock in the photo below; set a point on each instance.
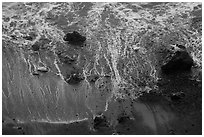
(74, 38)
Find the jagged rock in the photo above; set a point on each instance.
(74, 79)
(177, 61)
(74, 38)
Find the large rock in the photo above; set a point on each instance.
(177, 60)
(74, 38)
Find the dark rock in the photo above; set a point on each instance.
(13, 37)
(74, 38)
(28, 38)
(172, 132)
(162, 82)
(123, 119)
(66, 59)
(42, 69)
(19, 128)
(93, 78)
(44, 42)
(35, 47)
(35, 73)
(177, 96)
(74, 79)
(100, 121)
(177, 62)
(196, 22)
(181, 46)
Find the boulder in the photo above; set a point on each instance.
(74, 38)
(177, 60)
